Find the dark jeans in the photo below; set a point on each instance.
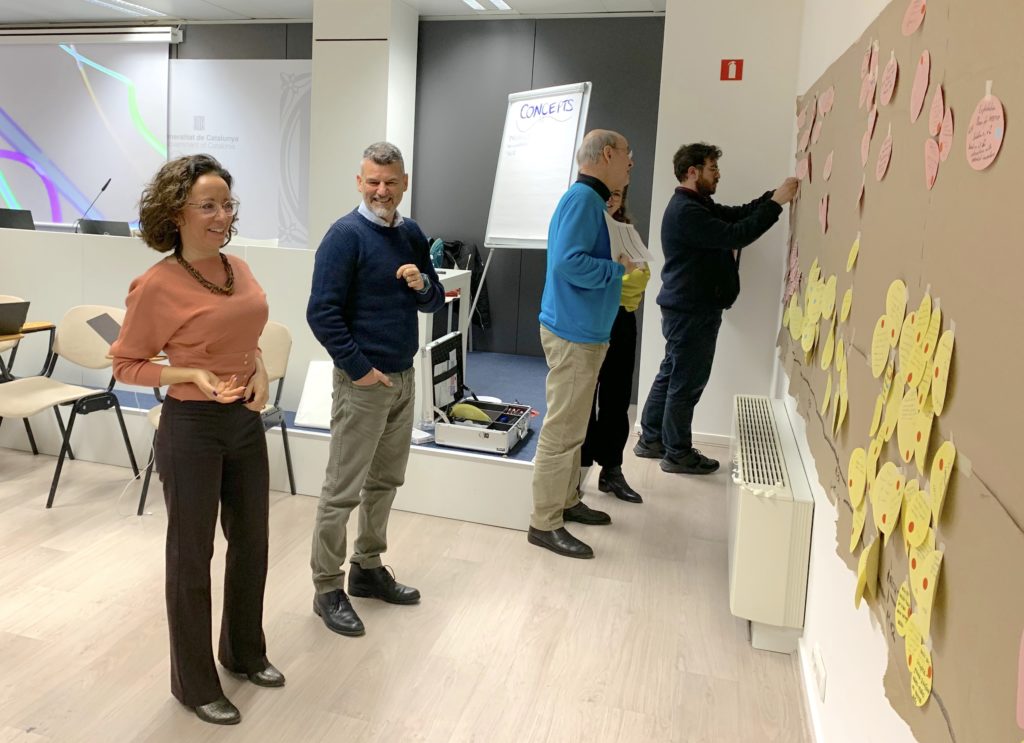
(211, 455)
(690, 339)
(608, 429)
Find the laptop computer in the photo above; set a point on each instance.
(12, 317)
(17, 219)
(104, 227)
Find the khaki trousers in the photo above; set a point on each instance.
(570, 393)
(371, 428)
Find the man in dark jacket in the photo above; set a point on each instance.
(702, 241)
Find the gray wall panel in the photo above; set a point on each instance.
(245, 41)
(465, 72)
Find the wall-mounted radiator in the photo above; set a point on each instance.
(770, 514)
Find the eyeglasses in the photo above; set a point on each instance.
(629, 153)
(210, 208)
(712, 168)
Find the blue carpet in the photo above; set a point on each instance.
(512, 378)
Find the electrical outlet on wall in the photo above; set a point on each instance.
(819, 671)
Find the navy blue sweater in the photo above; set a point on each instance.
(358, 310)
(698, 238)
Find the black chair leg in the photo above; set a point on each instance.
(287, 457)
(127, 442)
(31, 438)
(64, 448)
(60, 425)
(145, 480)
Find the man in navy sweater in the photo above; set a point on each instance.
(702, 242)
(372, 274)
(582, 288)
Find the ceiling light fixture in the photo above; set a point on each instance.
(501, 5)
(474, 4)
(121, 6)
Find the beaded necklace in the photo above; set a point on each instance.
(229, 285)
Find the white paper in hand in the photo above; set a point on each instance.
(626, 240)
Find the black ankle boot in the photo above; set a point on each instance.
(612, 480)
(378, 583)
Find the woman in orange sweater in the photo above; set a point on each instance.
(205, 311)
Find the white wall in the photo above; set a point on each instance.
(850, 642)
(752, 121)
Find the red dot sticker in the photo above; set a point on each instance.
(883, 322)
(851, 482)
(927, 346)
(936, 372)
(910, 527)
(942, 464)
(910, 376)
(918, 435)
(907, 456)
(929, 671)
(918, 339)
(884, 517)
(910, 660)
(913, 563)
(924, 584)
(897, 484)
(893, 332)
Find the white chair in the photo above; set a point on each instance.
(276, 346)
(76, 341)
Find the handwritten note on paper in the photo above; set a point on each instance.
(626, 241)
(865, 150)
(896, 308)
(931, 162)
(940, 371)
(880, 345)
(867, 572)
(816, 131)
(872, 120)
(920, 89)
(888, 83)
(931, 336)
(805, 139)
(906, 427)
(829, 348)
(924, 580)
(902, 609)
(860, 516)
(887, 499)
(826, 172)
(921, 676)
(827, 100)
(946, 134)
(856, 478)
(924, 316)
(844, 311)
(803, 167)
(867, 91)
(825, 398)
(892, 412)
(913, 17)
(922, 434)
(884, 156)
(918, 519)
(941, 473)
(985, 132)
(876, 415)
(936, 112)
(823, 214)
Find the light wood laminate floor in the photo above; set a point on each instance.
(510, 642)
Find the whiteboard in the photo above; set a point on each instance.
(536, 163)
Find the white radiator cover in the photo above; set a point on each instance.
(770, 516)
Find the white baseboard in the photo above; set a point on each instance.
(705, 439)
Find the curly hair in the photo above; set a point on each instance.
(165, 196)
(693, 156)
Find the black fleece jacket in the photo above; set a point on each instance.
(698, 238)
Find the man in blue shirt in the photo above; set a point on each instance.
(582, 287)
(372, 274)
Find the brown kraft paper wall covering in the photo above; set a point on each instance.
(963, 239)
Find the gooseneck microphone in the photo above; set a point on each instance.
(91, 205)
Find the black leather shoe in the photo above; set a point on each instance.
(379, 583)
(584, 514)
(692, 463)
(649, 449)
(560, 542)
(612, 481)
(221, 712)
(337, 612)
(269, 677)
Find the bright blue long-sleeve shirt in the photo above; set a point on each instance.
(583, 284)
(358, 310)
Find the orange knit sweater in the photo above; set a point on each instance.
(170, 312)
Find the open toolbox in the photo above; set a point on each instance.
(461, 419)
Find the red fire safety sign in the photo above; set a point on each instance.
(732, 69)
